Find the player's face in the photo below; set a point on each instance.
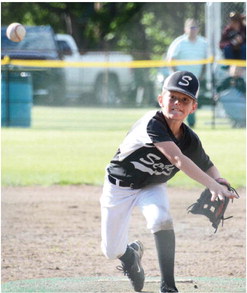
(176, 106)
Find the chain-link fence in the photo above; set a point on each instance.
(227, 7)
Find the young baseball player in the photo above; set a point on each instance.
(154, 150)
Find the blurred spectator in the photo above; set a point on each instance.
(232, 96)
(235, 79)
(189, 46)
(233, 38)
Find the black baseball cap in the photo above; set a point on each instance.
(184, 82)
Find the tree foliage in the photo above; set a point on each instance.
(144, 29)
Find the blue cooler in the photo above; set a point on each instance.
(17, 99)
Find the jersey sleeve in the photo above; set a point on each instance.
(198, 155)
(157, 130)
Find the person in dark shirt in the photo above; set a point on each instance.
(233, 38)
(154, 150)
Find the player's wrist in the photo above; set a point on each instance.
(222, 180)
(219, 179)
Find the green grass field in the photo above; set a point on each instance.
(74, 145)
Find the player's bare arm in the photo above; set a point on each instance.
(185, 164)
(214, 173)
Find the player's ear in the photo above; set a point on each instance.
(160, 100)
(194, 107)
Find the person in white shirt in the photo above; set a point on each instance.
(189, 46)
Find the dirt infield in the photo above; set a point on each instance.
(54, 232)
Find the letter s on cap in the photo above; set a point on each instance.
(186, 79)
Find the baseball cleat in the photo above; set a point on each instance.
(135, 271)
(138, 246)
(165, 289)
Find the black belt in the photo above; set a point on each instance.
(119, 182)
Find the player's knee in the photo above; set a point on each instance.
(161, 223)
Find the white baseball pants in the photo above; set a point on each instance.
(117, 204)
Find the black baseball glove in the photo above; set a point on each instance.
(213, 210)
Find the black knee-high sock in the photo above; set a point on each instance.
(127, 257)
(165, 245)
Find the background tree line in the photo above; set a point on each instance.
(143, 29)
